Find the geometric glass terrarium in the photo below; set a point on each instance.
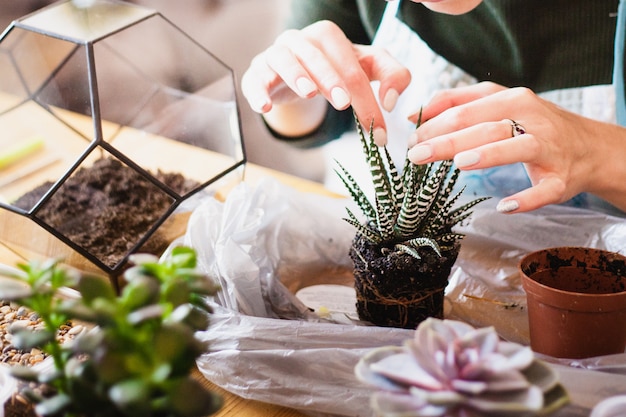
(93, 125)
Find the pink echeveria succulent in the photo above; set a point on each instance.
(453, 369)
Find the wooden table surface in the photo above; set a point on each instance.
(234, 405)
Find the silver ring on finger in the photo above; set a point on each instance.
(516, 128)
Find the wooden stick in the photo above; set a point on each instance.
(20, 150)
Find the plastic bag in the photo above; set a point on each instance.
(263, 244)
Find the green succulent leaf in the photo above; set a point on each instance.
(356, 193)
(184, 257)
(205, 402)
(385, 219)
(12, 290)
(364, 229)
(408, 218)
(150, 312)
(176, 292)
(132, 397)
(24, 339)
(420, 242)
(92, 287)
(142, 290)
(203, 286)
(192, 316)
(460, 211)
(54, 406)
(88, 342)
(25, 373)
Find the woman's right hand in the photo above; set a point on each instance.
(320, 60)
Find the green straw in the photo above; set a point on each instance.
(20, 150)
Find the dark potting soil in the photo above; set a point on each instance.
(107, 208)
(396, 289)
(20, 406)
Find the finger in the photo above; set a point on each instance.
(308, 64)
(344, 57)
(256, 84)
(449, 98)
(380, 66)
(524, 148)
(288, 67)
(549, 190)
(503, 104)
(473, 140)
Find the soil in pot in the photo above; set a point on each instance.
(396, 289)
(576, 301)
(18, 406)
(107, 207)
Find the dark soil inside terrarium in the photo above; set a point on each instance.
(397, 290)
(107, 208)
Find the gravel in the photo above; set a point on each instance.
(14, 315)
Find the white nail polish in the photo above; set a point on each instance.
(259, 105)
(466, 159)
(507, 206)
(305, 86)
(413, 139)
(390, 100)
(339, 97)
(380, 136)
(420, 153)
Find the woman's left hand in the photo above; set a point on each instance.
(564, 154)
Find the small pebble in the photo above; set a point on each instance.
(18, 317)
(21, 312)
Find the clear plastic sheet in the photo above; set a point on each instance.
(263, 244)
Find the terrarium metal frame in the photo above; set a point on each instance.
(123, 16)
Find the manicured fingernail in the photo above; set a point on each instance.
(391, 98)
(420, 153)
(507, 206)
(260, 106)
(413, 139)
(305, 86)
(466, 159)
(339, 97)
(415, 116)
(380, 136)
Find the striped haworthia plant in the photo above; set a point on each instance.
(412, 208)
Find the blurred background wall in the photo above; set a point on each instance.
(235, 31)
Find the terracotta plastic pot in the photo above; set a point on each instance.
(576, 301)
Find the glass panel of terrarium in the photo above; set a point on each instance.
(36, 150)
(36, 58)
(84, 22)
(178, 103)
(48, 126)
(66, 93)
(12, 89)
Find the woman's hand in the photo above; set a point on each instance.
(320, 60)
(564, 154)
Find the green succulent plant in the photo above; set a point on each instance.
(137, 357)
(412, 209)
